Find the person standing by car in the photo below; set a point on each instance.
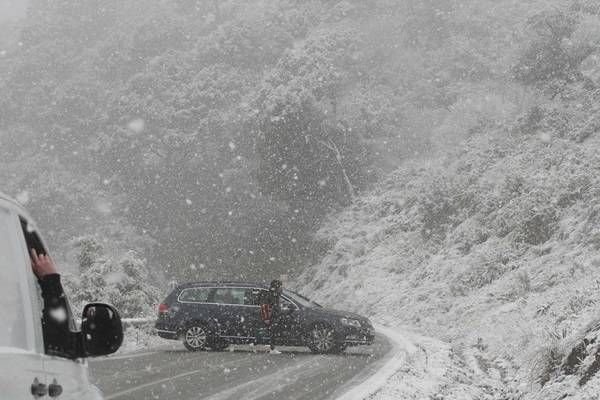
(270, 311)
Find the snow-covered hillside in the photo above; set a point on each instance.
(492, 248)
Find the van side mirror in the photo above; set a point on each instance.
(101, 330)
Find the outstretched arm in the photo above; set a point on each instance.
(58, 339)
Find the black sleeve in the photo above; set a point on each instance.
(264, 297)
(59, 340)
(276, 302)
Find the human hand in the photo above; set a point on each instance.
(42, 264)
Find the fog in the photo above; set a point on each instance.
(11, 10)
(200, 133)
(432, 164)
(222, 134)
(214, 138)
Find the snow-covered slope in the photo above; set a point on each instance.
(492, 249)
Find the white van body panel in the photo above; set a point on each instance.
(18, 270)
(72, 375)
(18, 370)
(25, 362)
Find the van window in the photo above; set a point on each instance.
(195, 295)
(13, 327)
(65, 341)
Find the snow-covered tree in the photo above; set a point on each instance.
(124, 282)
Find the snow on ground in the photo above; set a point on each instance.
(402, 350)
(139, 335)
(492, 252)
(422, 367)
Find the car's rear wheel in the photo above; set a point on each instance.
(195, 337)
(322, 339)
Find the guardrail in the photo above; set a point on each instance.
(132, 322)
(138, 321)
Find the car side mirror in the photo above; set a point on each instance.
(101, 330)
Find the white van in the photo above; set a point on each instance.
(26, 372)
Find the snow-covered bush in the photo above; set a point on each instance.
(497, 241)
(545, 363)
(545, 58)
(124, 282)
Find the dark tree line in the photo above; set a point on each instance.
(217, 134)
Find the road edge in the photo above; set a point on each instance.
(396, 358)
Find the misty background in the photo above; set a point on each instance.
(432, 164)
(211, 139)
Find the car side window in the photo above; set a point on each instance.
(230, 296)
(252, 296)
(13, 327)
(195, 295)
(255, 296)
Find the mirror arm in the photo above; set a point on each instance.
(75, 346)
(79, 347)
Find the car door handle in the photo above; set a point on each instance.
(54, 389)
(38, 389)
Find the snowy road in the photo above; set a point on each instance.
(241, 374)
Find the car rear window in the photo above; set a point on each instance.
(13, 327)
(194, 295)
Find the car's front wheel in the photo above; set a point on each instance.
(322, 339)
(195, 337)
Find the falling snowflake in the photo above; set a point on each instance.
(58, 314)
(545, 137)
(114, 278)
(137, 125)
(23, 197)
(103, 207)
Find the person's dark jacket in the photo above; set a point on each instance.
(271, 300)
(59, 340)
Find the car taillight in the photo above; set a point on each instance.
(163, 308)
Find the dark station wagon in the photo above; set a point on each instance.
(216, 314)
